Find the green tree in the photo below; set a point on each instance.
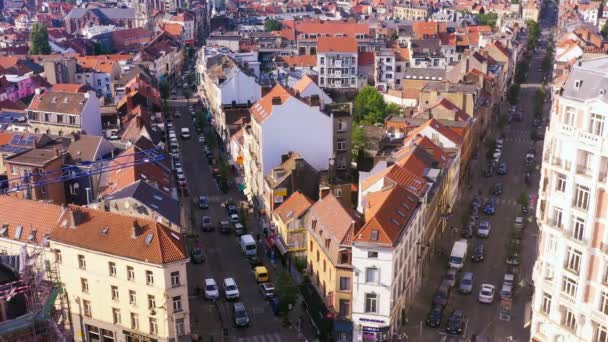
(487, 19)
(513, 94)
(604, 30)
(524, 198)
(39, 40)
(272, 25)
(359, 141)
(369, 106)
(165, 90)
(394, 36)
(287, 292)
(393, 108)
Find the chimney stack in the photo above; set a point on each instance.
(276, 101)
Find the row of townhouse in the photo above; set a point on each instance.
(124, 278)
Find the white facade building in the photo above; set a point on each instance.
(337, 62)
(571, 273)
(385, 263)
(282, 122)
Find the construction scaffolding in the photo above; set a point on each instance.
(47, 316)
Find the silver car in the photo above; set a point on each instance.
(466, 283)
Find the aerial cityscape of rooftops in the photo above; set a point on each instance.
(304, 170)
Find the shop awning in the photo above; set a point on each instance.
(343, 326)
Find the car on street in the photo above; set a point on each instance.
(181, 179)
(231, 208)
(203, 202)
(450, 277)
(267, 290)
(234, 219)
(490, 207)
(497, 189)
(478, 253)
(502, 168)
(225, 227)
(486, 294)
(484, 229)
(185, 133)
(466, 283)
(434, 317)
(197, 255)
(442, 294)
(455, 325)
(241, 317)
(201, 139)
(231, 290)
(211, 291)
(467, 231)
(207, 224)
(177, 114)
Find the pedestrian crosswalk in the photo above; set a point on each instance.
(275, 337)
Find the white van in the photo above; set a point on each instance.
(185, 133)
(459, 254)
(248, 246)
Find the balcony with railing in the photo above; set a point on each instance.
(567, 298)
(576, 238)
(590, 139)
(555, 224)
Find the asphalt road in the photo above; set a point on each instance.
(224, 258)
(482, 319)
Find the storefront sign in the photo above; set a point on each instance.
(363, 319)
(137, 337)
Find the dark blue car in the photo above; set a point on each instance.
(502, 169)
(490, 207)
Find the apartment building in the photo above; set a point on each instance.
(571, 272)
(60, 113)
(125, 276)
(226, 83)
(289, 222)
(330, 228)
(337, 62)
(282, 122)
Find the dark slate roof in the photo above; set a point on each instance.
(592, 80)
(148, 195)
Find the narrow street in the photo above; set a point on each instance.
(224, 257)
(483, 319)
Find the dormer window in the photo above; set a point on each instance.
(374, 235)
(578, 84)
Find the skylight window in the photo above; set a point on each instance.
(149, 238)
(18, 232)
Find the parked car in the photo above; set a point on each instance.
(490, 207)
(478, 253)
(197, 255)
(225, 227)
(450, 277)
(466, 283)
(211, 290)
(231, 291)
(234, 219)
(484, 229)
(486, 294)
(442, 294)
(267, 290)
(434, 318)
(488, 171)
(497, 189)
(207, 224)
(203, 202)
(455, 324)
(467, 231)
(241, 317)
(502, 168)
(232, 209)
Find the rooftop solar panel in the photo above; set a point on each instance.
(16, 139)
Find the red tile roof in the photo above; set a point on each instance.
(386, 214)
(262, 109)
(440, 128)
(335, 220)
(301, 61)
(84, 228)
(30, 215)
(424, 29)
(336, 44)
(295, 206)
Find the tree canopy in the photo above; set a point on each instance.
(287, 292)
(604, 30)
(39, 39)
(369, 106)
(487, 19)
(272, 25)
